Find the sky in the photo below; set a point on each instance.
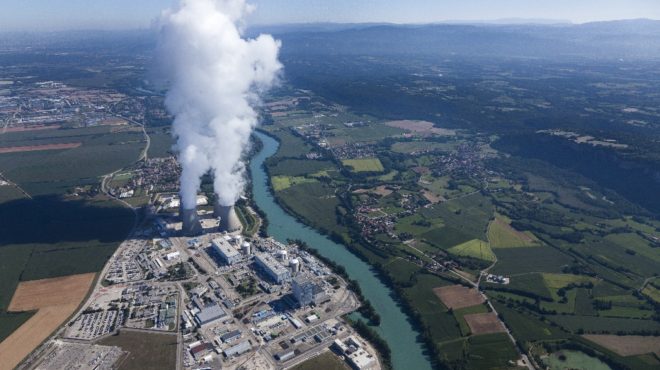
(48, 15)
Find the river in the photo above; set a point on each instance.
(394, 327)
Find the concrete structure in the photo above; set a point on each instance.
(246, 248)
(209, 314)
(190, 222)
(227, 253)
(238, 349)
(273, 268)
(229, 221)
(307, 292)
(355, 354)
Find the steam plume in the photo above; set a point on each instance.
(215, 78)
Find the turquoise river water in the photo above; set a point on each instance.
(394, 327)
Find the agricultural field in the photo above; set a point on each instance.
(474, 248)
(512, 261)
(53, 231)
(54, 300)
(363, 165)
(102, 150)
(458, 296)
(452, 197)
(627, 345)
(280, 183)
(151, 351)
(502, 235)
(326, 360)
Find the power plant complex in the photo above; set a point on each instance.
(228, 220)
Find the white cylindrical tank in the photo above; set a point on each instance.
(295, 265)
(283, 254)
(246, 248)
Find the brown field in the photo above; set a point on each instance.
(381, 190)
(626, 345)
(30, 128)
(458, 296)
(432, 197)
(55, 300)
(32, 148)
(420, 127)
(484, 323)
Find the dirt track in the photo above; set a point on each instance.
(55, 299)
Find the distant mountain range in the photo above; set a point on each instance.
(625, 39)
(637, 39)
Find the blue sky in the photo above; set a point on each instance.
(121, 14)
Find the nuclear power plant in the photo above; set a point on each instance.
(229, 221)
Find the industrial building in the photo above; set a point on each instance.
(355, 354)
(273, 268)
(209, 314)
(227, 253)
(307, 292)
(238, 349)
(230, 337)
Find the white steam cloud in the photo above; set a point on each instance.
(215, 78)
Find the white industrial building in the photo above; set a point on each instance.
(172, 255)
(209, 314)
(238, 349)
(273, 268)
(226, 251)
(355, 354)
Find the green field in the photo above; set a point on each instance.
(299, 167)
(363, 165)
(530, 259)
(147, 351)
(491, 351)
(609, 325)
(326, 360)
(313, 201)
(502, 235)
(527, 327)
(652, 292)
(474, 248)
(57, 171)
(574, 360)
(161, 142)
(285, 182)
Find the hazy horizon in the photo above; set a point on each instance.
(59, 15)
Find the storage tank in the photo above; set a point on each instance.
(294, 264)
(246, 248)
(283, 254)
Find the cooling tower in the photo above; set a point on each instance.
(228, 219)
(191, 225)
